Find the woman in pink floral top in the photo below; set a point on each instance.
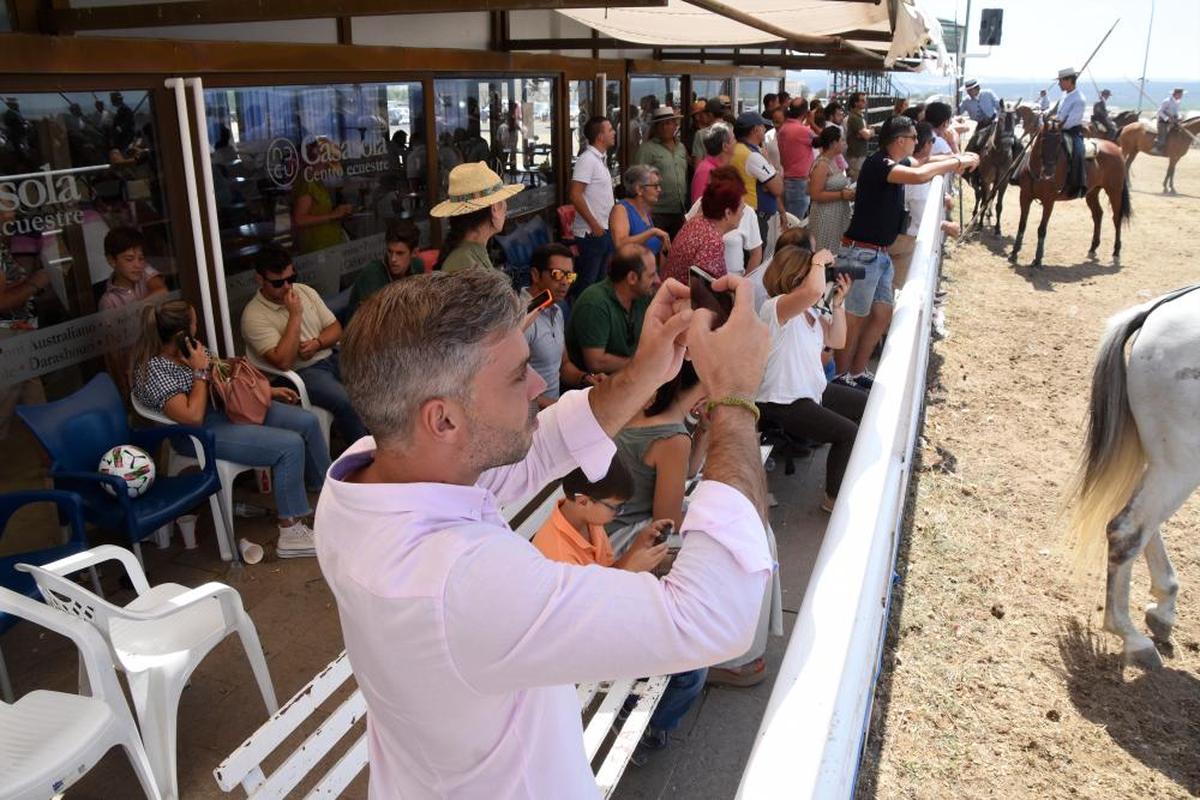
(700, 242)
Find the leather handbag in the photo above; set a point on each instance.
(241, 390)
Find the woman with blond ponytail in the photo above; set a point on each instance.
(171, 374)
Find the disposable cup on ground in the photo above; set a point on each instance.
(187, 529)
(251, 553)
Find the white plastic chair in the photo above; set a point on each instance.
(157, 640)
(324, 416)
(221, 503)
(49, 740)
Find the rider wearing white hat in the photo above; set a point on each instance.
(475, 204)
(981, 105)
(1070, 117)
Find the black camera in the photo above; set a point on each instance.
(855, 273)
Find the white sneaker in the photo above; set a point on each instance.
(298, 541)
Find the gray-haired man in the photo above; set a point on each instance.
(431, 582)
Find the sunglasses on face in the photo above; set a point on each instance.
(562, 275)
(279, 283)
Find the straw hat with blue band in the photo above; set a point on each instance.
(473, 187)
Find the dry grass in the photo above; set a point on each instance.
(1000, 683)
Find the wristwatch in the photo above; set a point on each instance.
(200, 374)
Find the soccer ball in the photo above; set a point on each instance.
(132, 465)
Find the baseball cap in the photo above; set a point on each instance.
(748, 119)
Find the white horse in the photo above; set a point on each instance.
(1142, 458)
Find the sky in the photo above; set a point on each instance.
(1041, 37)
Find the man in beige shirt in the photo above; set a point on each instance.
(288, 325)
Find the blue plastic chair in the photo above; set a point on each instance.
(77, 430)
(70, 514)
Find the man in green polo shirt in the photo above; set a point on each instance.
(669, 157)
(606, 320)
(400, 261)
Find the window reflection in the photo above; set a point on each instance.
(505, 121)
(614, 112)
(320, 170)
(580, 95)
(76, 169)
(651, 92)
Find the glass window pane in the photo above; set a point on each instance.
(613, 110)
(505, 121)
(580, 95)
(651, 91)
(5, 23)
(319, 170)
(74, 167)
(749, 95)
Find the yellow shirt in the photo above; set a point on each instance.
(264, 322)
(559, 541)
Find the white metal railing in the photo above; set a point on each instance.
(811, 737)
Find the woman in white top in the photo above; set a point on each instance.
(795, 394)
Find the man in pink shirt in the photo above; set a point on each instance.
(795, 140)
(464, 639)
(718, 143)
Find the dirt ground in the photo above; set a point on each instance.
(999, 681)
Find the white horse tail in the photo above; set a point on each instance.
(1113, 459)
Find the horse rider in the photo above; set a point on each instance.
(981, 105)
(1104, 125)
(1070, 119)
(1168, 118)
(1043, 101)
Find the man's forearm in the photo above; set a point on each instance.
(733, 455)
(616, 400)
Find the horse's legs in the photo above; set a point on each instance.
(1136, 528)
(1000, 203)
(1169, 181)
(1026, 201)
(1160, 615)
(1047, 207)
(1093, 203)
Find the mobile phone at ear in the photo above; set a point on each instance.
(184, 343)
(703, 296)
(539, 301)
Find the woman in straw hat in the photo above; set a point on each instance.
(476, 207)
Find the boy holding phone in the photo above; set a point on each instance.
(574, 534)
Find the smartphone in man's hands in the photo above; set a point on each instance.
(704, 296)
(539, 301)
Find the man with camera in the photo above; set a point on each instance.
(879, 217)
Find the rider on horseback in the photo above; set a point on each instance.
(1070, 117)
(1168, 118)
(1100, 118)
(981, 105)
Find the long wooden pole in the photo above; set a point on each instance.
(799, 39)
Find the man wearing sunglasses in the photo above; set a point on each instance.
(288, 325)
(551, 269)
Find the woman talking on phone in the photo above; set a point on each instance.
(795, 395)
(171, 372)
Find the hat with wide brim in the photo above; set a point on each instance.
(971, 84)
(663, 114)
(473, 187)
(1069, 72)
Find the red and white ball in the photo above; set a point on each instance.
(132, 465)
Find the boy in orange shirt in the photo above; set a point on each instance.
(574, 534)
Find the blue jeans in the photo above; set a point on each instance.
(289, 442)
(795, 196)
(681, 692)
(592, 264)
(323, 380)
(876, 287)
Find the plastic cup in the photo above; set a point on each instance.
(251, 553)
(162, 537)
(187, 529)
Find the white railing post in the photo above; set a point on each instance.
(812, 733)
(189, 177)
(214, 230)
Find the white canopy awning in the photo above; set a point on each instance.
(681, 24)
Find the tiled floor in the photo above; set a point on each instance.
(297, 622)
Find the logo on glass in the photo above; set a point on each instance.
(283, 162)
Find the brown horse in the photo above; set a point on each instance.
(1136, 139)
(1119, 122)
(997, 152)
(1104, 173)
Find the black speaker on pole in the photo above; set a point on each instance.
(990, 24)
